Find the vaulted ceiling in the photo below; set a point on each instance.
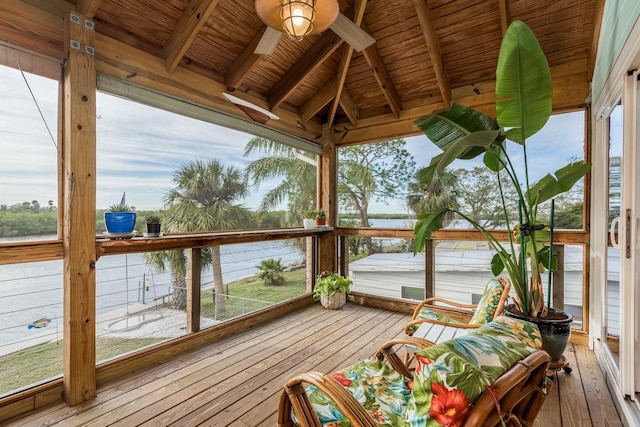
(427, 54)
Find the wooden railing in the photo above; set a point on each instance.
(562, 238)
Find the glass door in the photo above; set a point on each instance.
(611, 316)
(620, 319)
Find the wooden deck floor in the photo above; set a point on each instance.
(237, 381)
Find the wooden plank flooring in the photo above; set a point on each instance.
(237, 381)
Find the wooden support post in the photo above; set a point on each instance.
(79, 217)
(310, 264)
(558, 279)
(344, 255)
(429, 269)
(328, 189)
(194, 268)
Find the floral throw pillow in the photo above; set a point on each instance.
(382, 391)
(488, 303)
(450, 376)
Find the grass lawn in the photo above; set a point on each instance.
(44, 361)
(254, 290)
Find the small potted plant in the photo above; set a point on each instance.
(321, 218)
(153, 226)
(332, 290)
(120, 218)
(309, 218)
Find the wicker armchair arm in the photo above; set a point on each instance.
(520, 393)
(388, 352)
(428, 301)
(294, 396)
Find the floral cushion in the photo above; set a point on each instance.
(383, 392)
(488, 304)
(450, 376)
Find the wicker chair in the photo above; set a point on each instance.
(514, 398)
(490, 306)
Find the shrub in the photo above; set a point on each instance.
(271, 272)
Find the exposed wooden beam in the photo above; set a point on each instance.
(387, 126)
(31, 28)
(431, 39)
(310, 60)
(244, 63)
(349, 107)
(192, 20)
(343, 67)
(88, 8)
(59, 8)
(318, 101)
(505, 17)
(79, 206)
(372, 55)
(597, 26)
(345, 61)
(127, 63)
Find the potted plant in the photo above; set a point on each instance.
(332, 290)
(523, 105)
(153, 226)
(321, 218)
(309, 218)
(120, 218)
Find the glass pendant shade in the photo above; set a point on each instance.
(297, 17)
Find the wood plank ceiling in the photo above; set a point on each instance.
(427, 54)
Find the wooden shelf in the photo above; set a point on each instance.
(200, 240)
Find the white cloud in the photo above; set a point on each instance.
(140, 147)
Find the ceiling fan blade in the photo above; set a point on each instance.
(351, 33)
(268, 42)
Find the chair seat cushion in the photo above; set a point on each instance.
(382, 391)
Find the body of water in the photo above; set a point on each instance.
(33, 291)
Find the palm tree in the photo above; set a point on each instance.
(297, 179)
(297, 185)
(205, 199)
(441, 192)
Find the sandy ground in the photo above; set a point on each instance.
(148, 323)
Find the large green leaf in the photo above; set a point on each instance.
(456, 149)
(445, 127)
(427, 224)
(552, 185)
(479, 140)
(426, 175)
(523, 84)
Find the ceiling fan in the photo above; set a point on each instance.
(299, 18)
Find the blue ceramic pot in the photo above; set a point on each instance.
(119, 222)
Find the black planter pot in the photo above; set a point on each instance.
(153, 230)
(555, 330)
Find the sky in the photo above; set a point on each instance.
(140, 147)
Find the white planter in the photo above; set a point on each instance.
(309, 223)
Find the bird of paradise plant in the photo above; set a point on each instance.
(523, 106)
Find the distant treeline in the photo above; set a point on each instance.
(378, 216)
(32, 219)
